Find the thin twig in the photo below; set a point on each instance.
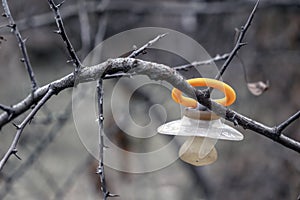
(100, 169)
(205, 62)
(13, 147)
(21, 43)
(239, 43)
(6, 108)
(61, 120)
(142, 49)
(134, 54)
(62, 32)
(286, 123)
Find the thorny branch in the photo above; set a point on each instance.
(159, 72)
(13, 147)
(21, 42)
(154, 71)
(62, 32)
(205, 62)
(142, 50)
(60, 120)
(100, 169)
(286, 123)
(239, 42)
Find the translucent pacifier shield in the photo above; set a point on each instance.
(191, 127)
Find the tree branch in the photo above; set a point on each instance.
(205, 62)
(62, 32)
(35, 154)
(13, 147)
(21, 43)
(100, 169)
(142, 49)
(239, 42)
(286, 123)
(156, 72)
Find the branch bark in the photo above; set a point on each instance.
(154, 71)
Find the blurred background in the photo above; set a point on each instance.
(56, 165)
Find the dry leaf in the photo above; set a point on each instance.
(257, 88)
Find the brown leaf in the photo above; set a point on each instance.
(257, 88)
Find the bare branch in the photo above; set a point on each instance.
(142, 49)
(239, 42)
(286, 123)
(100, 169)
(205, 62)
(61, 120)
(13, 147)
(61, 30)
(5, 108)
(22, 45)
(156, 72)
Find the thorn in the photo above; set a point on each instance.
(235, 122)
(105, 147)
(57, 32)
(4, 15)
(108, 194)
(243, 44)
(22, 59)
(17, 126)
(10, 116)
(12, 26)
(70, 61)
(99, 170)
(60, 4)
(24, 40)
(15, 151)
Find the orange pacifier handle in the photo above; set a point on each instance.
(219, 85)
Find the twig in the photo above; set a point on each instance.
(239, 42)
(205, 62)
(5, 108)
(62, 32)
(21, 43)
(100, 169)
(134, 54)
(61, 120)
(285, 124)
(13, 147)
(142, 49)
